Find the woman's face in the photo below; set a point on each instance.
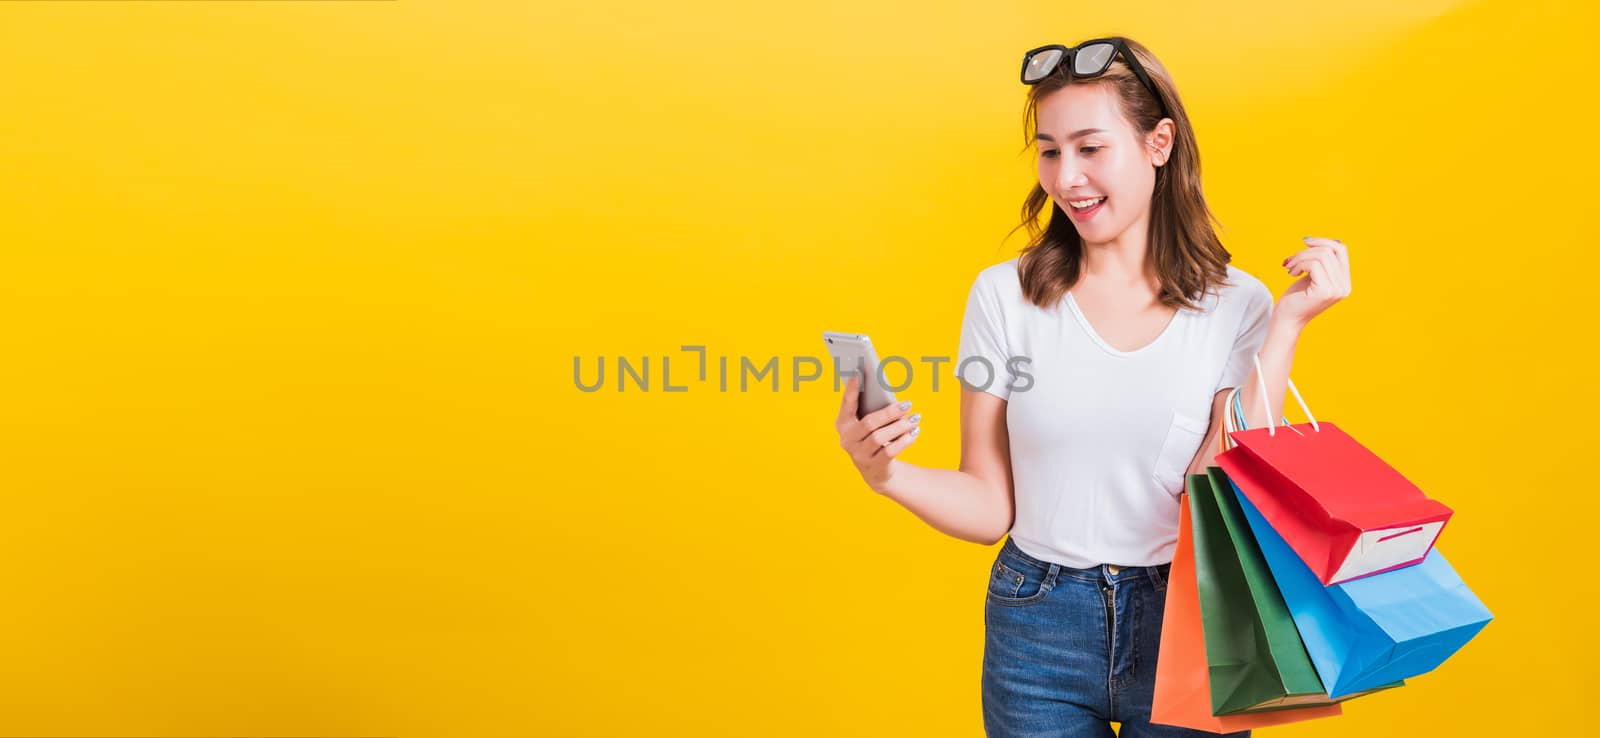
(1089, 151)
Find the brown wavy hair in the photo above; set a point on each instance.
(1183, 246)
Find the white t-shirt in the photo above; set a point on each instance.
(1101, 439)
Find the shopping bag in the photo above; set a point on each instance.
(1183, 686)
(1374, 630)
(1253, 649)
(1345, 511)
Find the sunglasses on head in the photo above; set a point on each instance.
(1089, 59)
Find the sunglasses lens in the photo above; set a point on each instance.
(1040, 65)
(1092, 59)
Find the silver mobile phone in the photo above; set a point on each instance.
(852, 352)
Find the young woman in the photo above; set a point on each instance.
(1134, 327)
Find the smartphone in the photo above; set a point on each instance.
(852, 353)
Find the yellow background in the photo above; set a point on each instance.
(292, 293)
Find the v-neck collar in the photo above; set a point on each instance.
(1083, 320)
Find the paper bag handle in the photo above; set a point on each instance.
(1267, 405)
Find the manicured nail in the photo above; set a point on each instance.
(1307, 239)
(1286, 262)
(905, 405)
(915, 431)
(916, 417)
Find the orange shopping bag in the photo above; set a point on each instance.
(1183, 681)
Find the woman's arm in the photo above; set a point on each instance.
(972, 503)
(1277, 356)
(1324, 270)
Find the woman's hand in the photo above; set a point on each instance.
(873, 441)
(1326, 264)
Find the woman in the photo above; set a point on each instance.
(1133, 327)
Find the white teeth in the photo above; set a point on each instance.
(1082, 204)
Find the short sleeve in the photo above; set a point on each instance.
(982, 357)
(1251, 335)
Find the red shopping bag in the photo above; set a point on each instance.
(1183, 679)
(1343, 510)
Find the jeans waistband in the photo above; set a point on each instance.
(1099, 573)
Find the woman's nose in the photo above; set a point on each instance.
(1070, 176)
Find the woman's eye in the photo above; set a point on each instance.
(1089, 149)
(1048, 154)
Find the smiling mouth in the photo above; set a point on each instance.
(1083, 205)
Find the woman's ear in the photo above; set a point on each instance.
(1159, 141)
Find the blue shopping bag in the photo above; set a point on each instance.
(1369, 632)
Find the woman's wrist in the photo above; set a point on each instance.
(882, 485)
(1285, 327)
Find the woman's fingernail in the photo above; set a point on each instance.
(905, 405)
(916, 417)
(1286, 262)
(1306, 238)
(915, 431)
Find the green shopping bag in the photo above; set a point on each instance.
(1253, 649)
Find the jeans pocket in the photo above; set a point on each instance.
(1014, 582)
(1178, 449)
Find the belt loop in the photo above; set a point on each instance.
(1156, 576)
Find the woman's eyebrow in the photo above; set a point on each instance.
(1072, 136)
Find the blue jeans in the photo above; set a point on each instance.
(1067, 651)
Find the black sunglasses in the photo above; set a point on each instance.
(1089, 59)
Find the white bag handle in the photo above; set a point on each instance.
(1271, 428)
